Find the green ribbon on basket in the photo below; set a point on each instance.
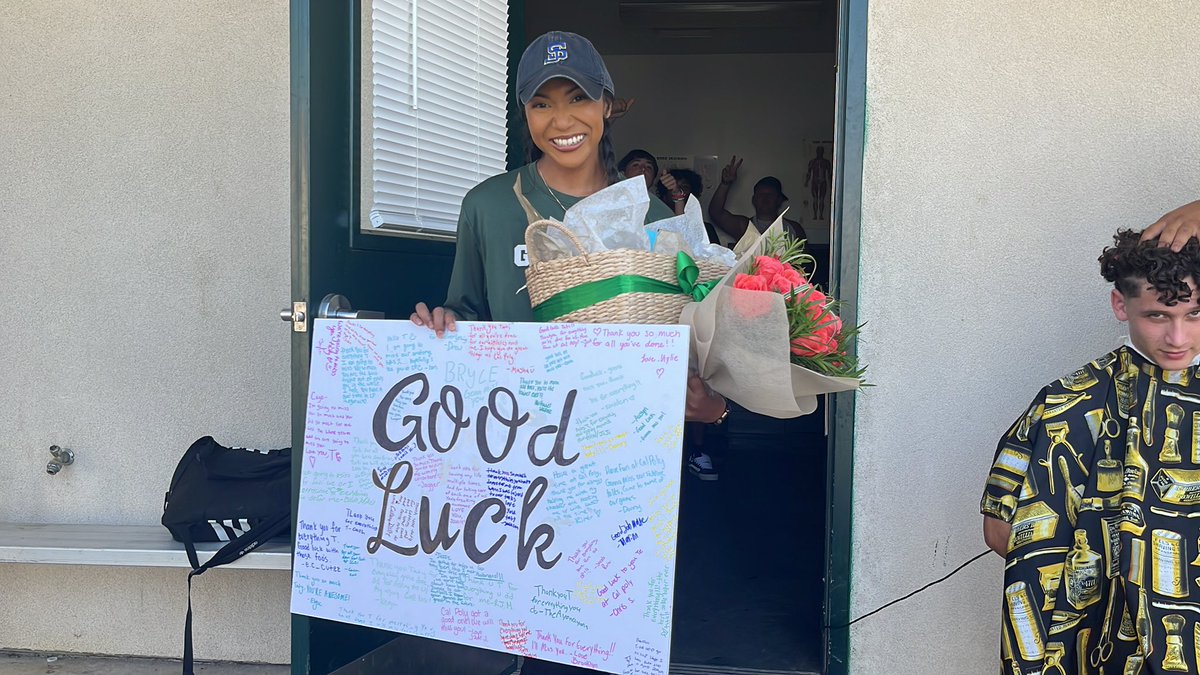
(593, 292)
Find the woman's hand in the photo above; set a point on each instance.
(703, 405)
(440, 319)
(1177, 227)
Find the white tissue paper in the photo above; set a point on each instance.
(614, 218)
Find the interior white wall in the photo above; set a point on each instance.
(144, 239)
(760, 107)
(1006, 142)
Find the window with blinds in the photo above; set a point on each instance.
(439, 81)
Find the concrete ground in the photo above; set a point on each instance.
(32, 663)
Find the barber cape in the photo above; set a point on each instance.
(1100, 479)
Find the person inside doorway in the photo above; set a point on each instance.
(1087, 496)
(768, 201)
(679, 184)
(818, 180)
(638, 162)
(565, 92)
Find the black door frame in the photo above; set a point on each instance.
(850, 129)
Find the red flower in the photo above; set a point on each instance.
(792, 275)
(824, 338)
(822, 342)
(750, 282)
(781, 284)
(767, 266)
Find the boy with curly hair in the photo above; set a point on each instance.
(1094, 493)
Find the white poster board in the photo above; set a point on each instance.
(511, 486)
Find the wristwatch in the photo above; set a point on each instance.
(721, 420)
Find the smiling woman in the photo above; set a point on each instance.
(566, 95)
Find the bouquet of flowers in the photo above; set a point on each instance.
(817, 337)
(767, 338)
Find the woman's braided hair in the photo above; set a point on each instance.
(1129, 262)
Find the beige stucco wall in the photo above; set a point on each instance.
(1007, 140)
(144, 256)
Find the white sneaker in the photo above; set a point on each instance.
(701, 466)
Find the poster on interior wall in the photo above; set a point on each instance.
(818, 182)
(510, 486)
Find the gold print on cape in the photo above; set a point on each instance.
(1173, 659)
(1082, 572)
(1032, 523)
(1179, 395)
(1108, 471)
(1079, 380)
(1143, 625)
(1168, 574)
(1026, 622)
(1126, 633)
(1104, 362)
(1178, 377)
(1137, 561)
(1148, 411)
(1104, 647)
(1177, 486)
(1058, 432)
(1032, 417)
(1112, 546)
(1062, 621)
(1134, 486)
(1081, 645)
(1133, 520)
(1196, 437)
(1057, 404)
(1170, 451)
(1125, 383)
(1196, 640)
(1055, 651)
(1133, 664)
(1029, 488)
(1049, 577)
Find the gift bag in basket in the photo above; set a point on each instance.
(615, 286)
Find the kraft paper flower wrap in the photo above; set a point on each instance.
(747, 343)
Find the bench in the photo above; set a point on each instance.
(122, 546)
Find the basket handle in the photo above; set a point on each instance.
(547, 224)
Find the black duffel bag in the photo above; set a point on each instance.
(237, 495)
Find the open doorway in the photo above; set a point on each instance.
(710, 81)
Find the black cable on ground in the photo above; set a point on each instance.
(926, 586)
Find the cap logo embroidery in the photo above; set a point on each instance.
(557, 51)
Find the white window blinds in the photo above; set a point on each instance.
(439, 76)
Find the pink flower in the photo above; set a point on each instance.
(750, 282)
(767, 266)
(792, 275)
(823, 340)
(781, 284)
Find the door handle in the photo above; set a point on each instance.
(335, 306)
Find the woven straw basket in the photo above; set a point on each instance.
(546, 279)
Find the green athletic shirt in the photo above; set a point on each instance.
(487, 283)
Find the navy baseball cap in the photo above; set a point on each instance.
(562, 54)
(771, 182)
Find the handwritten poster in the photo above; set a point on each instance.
(510, 486)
